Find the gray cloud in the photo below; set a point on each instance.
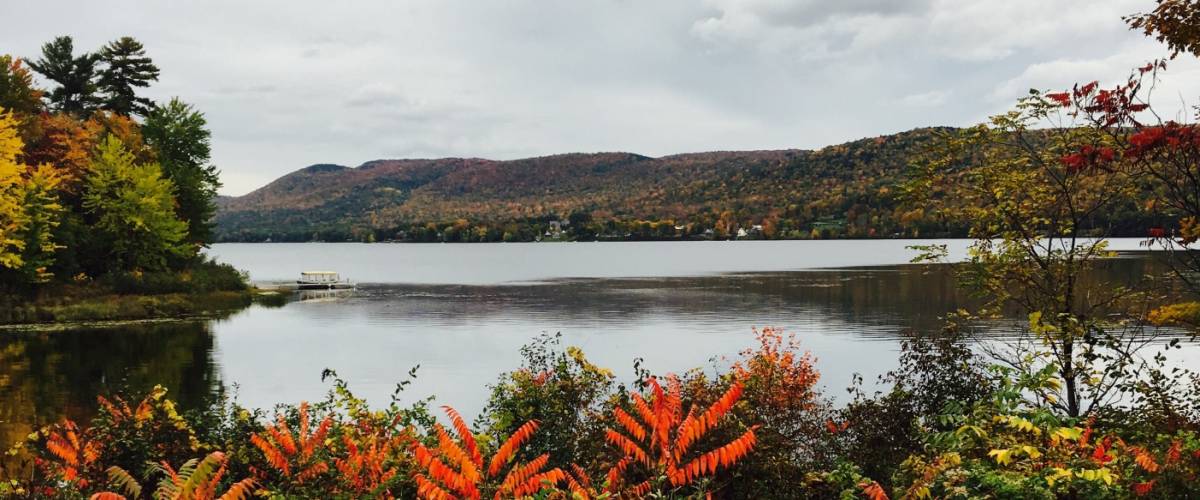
(289, 83)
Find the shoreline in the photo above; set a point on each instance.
(114, 309)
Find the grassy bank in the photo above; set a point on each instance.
(128, 307)
(205, 289)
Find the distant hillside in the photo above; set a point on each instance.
(846, 190)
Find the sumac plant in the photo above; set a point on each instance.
(660, 444)
(456, 468)
(295, 456)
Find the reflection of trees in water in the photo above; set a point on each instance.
(910, 296)
(45, 376)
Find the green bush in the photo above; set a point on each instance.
(204, 277)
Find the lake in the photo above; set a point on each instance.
(462, 311)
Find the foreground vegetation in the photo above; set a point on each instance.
(562, 427)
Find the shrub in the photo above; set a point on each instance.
(1005, 446)
(935, 374)
(662, 446)
(560, 389)
(456, 467)
(202, 277)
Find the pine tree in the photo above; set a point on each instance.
(127, 68)
(179, 135)
(75, 76)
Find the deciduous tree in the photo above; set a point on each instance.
(29, 209)
(180, 136)
(12, 218)
(17, 93)
(1173, 22)
(133, 209)
(1028, 184)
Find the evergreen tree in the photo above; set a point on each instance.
(180, 136)
(75, 76)
(127, 68)
(133, 210)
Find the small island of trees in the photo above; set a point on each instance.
(106, 198)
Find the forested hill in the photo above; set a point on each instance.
(846, 190)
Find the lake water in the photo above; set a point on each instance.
(461, 311)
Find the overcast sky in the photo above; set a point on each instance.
(286, 84)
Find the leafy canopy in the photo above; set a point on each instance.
(133, 206)
(180, 136)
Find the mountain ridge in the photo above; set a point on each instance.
(794, 190)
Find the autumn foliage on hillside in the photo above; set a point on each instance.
(841, 190)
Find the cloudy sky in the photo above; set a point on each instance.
(291, 83)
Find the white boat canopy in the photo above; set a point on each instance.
(319, 276)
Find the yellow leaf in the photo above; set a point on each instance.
(1002, 456)
(1101, 474)
(1058, 474)
(1068, 433)
(1031, 451)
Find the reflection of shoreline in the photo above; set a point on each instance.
(45, 376)
(104, 324)
(912, 296)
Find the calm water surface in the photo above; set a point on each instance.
(461, 311)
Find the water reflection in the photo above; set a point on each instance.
(45, 376)
(322, 295)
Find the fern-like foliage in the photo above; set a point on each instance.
(455, 467)
(74, 451)
(368, 465)
(121, 480)
(119, 410)
(294, 455)
(661, 437)
(194, 480)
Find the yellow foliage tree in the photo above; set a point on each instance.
(12, 218)
(28, 207)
